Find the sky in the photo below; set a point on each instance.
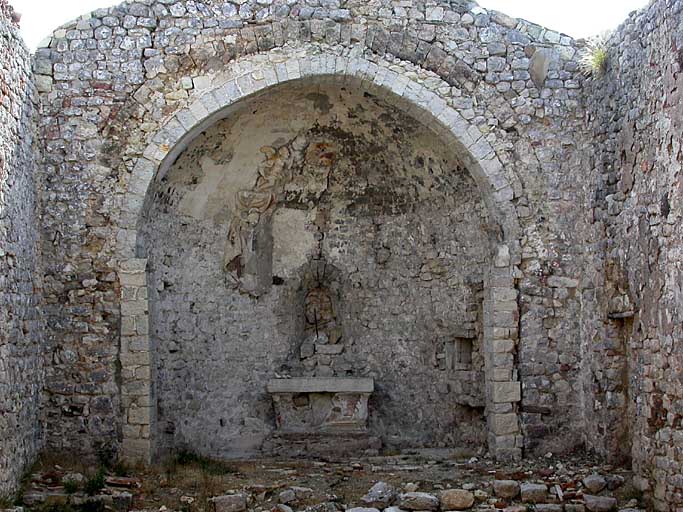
(577, 18)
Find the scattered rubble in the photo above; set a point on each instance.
(374, 484)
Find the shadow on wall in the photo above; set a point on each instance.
(21, 333)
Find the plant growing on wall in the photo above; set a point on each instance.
(594, 56)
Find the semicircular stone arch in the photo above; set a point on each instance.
(251, 77)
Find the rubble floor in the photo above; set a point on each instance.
(188, 482)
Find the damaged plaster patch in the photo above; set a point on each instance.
(293, 241)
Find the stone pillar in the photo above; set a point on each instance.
(501, 332)
(136, 363)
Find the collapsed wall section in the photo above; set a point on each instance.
(21, 368)
(633, 318)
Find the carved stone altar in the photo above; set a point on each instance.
(321, 404)
(321, 416)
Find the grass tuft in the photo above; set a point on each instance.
(206, 465)
(6, 502)
(594, 57)
(71, 487)
(120, 469)
(95, 483)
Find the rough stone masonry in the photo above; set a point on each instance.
(21, 328)
(199, 197)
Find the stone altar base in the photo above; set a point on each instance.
(321, 417)
(295, 445)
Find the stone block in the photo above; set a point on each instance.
(128, 358)
(418, 501)
(506, 392)
(128, 326)
(143, 372)
(139, 415)
(134, 307)
(198, 110)
(380, 496)
(141, 324)
(329, 349)
(594, 483)
(506, 489)
(229, 503)
(136, 279)
(533, 493)
(456, 499)
(562, 282)
(502, 256)
(501, 375)
(136, 450)
(321, 385)
(501, 346)
(548, 507)
(599, 503)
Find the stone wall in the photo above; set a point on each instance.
(21, 366)
(122, 86)
(543, 214)
(634, 308)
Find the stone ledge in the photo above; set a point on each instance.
(321, 385)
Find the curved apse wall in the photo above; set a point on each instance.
(304, 174)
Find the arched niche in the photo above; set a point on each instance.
(476, 183)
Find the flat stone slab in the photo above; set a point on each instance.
(418, 501)
(534, 493)
(599, 503)
(321, 385)
(506, 489)
(229, 503)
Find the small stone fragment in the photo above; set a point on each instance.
(302, 493)
(614, 481)
(74, 478)
(481, 495)
(287, 496)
